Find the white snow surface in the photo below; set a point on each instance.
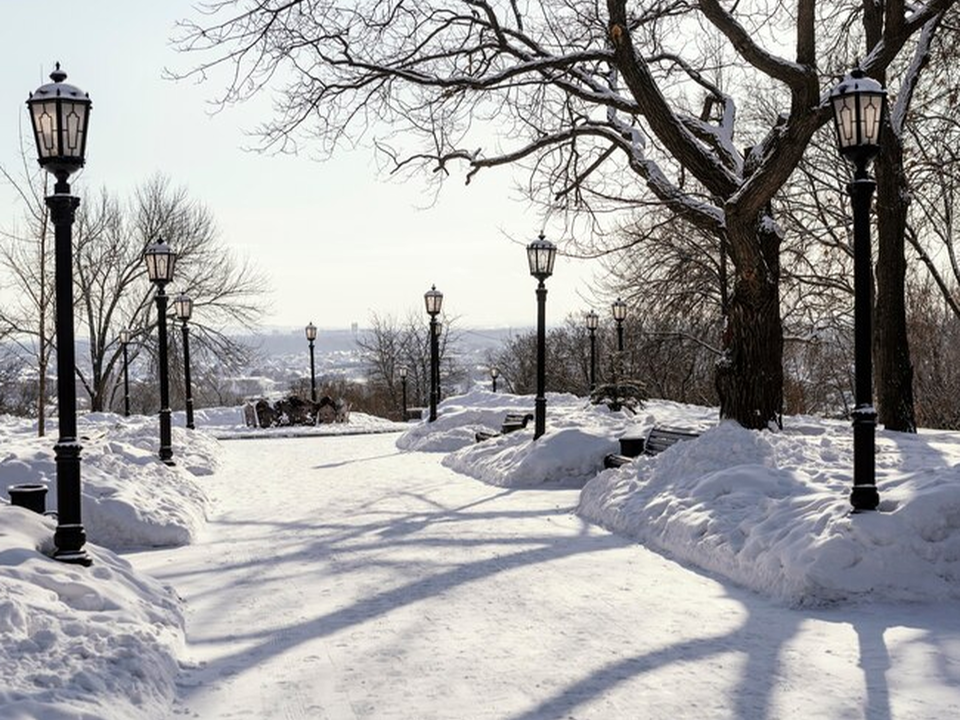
(768, 510)
(375, 564)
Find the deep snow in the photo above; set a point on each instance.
(766, 511)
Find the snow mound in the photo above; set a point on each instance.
(97, 642)
(128, 497)
(771, 512)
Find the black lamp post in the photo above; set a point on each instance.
(593, 321)
(124, 341)
(541, 254)
(619, 311)
(311, 331)
(858, 106)
(494, 374)
(59, 114)
(160, 260)
(403, 390)
(433, 299)
(183, 307)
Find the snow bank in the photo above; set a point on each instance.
(571, 451)
(768, 510)
(771, 512)
(459, 418)
(129, 498)
(76, 642)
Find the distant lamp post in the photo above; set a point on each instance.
(59, 115)
(311, 331)
(619, 310)
(124, 342)
(403, 391)
(433, 299)
(160, 260)
(494, 374)
(858, 106)
(183, 307)
(541, 254)
(593, 322)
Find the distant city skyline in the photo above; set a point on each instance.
(337, 242)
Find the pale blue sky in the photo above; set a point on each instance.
(337, 241)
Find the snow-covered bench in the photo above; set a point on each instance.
(511, 422)
(657, 440)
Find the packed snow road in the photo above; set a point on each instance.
(340, 578)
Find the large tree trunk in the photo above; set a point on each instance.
(750, 374)
(893, 371)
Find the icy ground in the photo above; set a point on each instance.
(374, 577)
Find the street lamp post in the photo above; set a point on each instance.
(124, 341)
(160, 260)
(183, 307)
(311, 331)
(619, 311)
(433, 299)
(59, 115)
(593, 321)
(403, 391)
(494, 374)
(541, 254)
(858, 105)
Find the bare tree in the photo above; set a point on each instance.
(608, 105)
(26, 258)
(390, 343)
(115, 293)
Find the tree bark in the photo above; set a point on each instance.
(750, 373)
(893, 370)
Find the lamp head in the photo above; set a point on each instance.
(59, 116)
(541, 254)
(858, 104)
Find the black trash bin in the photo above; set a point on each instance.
(32, 496)
(632, 446)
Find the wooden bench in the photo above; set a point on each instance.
(657, 440)
(511, 423)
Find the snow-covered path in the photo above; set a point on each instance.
(339, 578)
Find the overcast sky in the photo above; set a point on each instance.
(336, 240)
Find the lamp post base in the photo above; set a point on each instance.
(70, 539)
(540, 417)
(864, 498)
(864, 495)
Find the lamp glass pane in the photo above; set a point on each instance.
(44, 116)
(74, 121)
(844, 108)
(871, 110)
(124, 336)
(163, 263)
